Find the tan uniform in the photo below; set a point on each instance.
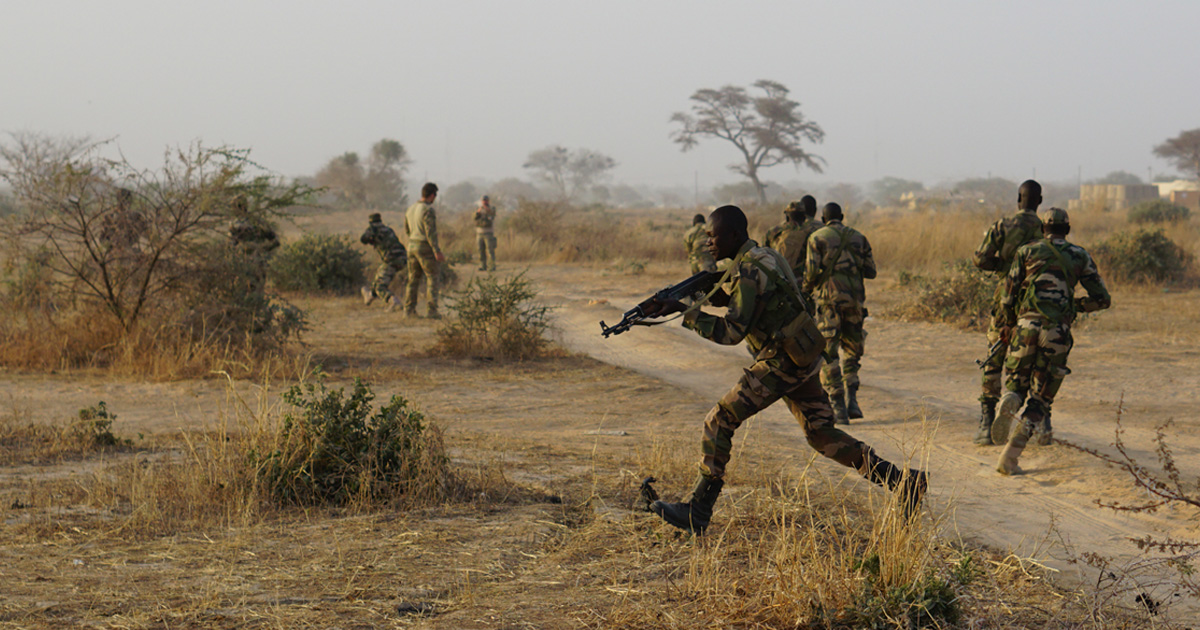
(420, 223)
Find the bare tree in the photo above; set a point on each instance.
(126, 238)
(1183, 151)
(767, 130)
(569, 173)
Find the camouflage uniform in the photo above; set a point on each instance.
(392, 257)
(695, 240)
(1039, 304)
(485, 236)
(420, 223)
(995, 253)
(839, 258)
(791, 240)
(765, 309)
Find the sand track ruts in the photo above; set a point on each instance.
(918, 393)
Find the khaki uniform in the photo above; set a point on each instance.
(696, 241)
(995, 253)
(420, 224)
(485, 236)
(766, 310)
(839, 259)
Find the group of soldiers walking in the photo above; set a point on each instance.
(798, 300)
(423, 255)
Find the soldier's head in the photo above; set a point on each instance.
(1056, 223)
(794, 212)
(429, 192)
(1029, 195)
(698, 219)
(375, 217)
(831, 212)
(809, 204)
(484, 201)
(726, 232)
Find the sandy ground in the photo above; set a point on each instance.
(919, 389)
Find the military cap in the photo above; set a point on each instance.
(485, 198)
(375, 218)
(1056, 216)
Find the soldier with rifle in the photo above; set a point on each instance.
(766, 309)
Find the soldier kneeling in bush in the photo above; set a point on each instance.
(393, 258)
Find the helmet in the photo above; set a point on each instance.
(1056, 216)
(375, 218)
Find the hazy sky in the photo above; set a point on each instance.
(921, 90)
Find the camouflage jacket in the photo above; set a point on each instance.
(485, 219)
(420, 224)
(791, 240)
(385, 242)
(1041, 283)
(834, 272)
(695, 240)
(763, 298)
(1004, 238)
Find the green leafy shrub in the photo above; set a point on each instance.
(496, 319)
(1142, 255)
(318, 263)
(962, 295)
(336, 449)
(1157, 211)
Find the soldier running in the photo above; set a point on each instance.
(766, 309)
(392, 258)
(839, 259)
(995, 253)
(1036, 312)
(696, 242)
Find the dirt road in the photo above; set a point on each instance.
(918, 393)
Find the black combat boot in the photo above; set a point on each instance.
(909, 485)
(987, 415)
(694, 515)
(852, 410)
(1043, 433)
(839, 409)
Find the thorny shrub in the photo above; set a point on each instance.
(318, 263)
(496, 319)
(1142, 255)
(962, 295)
(338, 449)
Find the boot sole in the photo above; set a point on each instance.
(1006, 413)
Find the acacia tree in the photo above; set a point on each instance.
(132, 240)
(377, 183)
(767, 130)
(1183, 151)
(567, 172)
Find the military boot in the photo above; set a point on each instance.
(1007, 464)
(693, 515)
(987, 415)
(1006, 416)
(368, 295)
(852, 410)
(908, 484)
(1043, 433)
(839, 409)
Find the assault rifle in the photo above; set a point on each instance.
(693, 287)
(993, 351)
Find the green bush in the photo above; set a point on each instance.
(1142, 255)
(962, 295)
(334, 449)
(496, 319)
(1157, 211)
(318, 263)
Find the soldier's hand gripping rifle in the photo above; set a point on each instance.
(993, 351)
(693, 287)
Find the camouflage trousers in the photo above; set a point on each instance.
(761, 385)
(381, 284)
(842, 326)
(993, 366)
(1037, 361)
(487, 250)
(421, 264)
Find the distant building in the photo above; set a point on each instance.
(1189, 199)
(1117, 197)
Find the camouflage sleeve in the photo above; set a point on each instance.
(812, 265)
(431, 230)
(1012, 290)
(732, 328)
(868, 259)
(1097, 298)
(987, 255)
(368, 237)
